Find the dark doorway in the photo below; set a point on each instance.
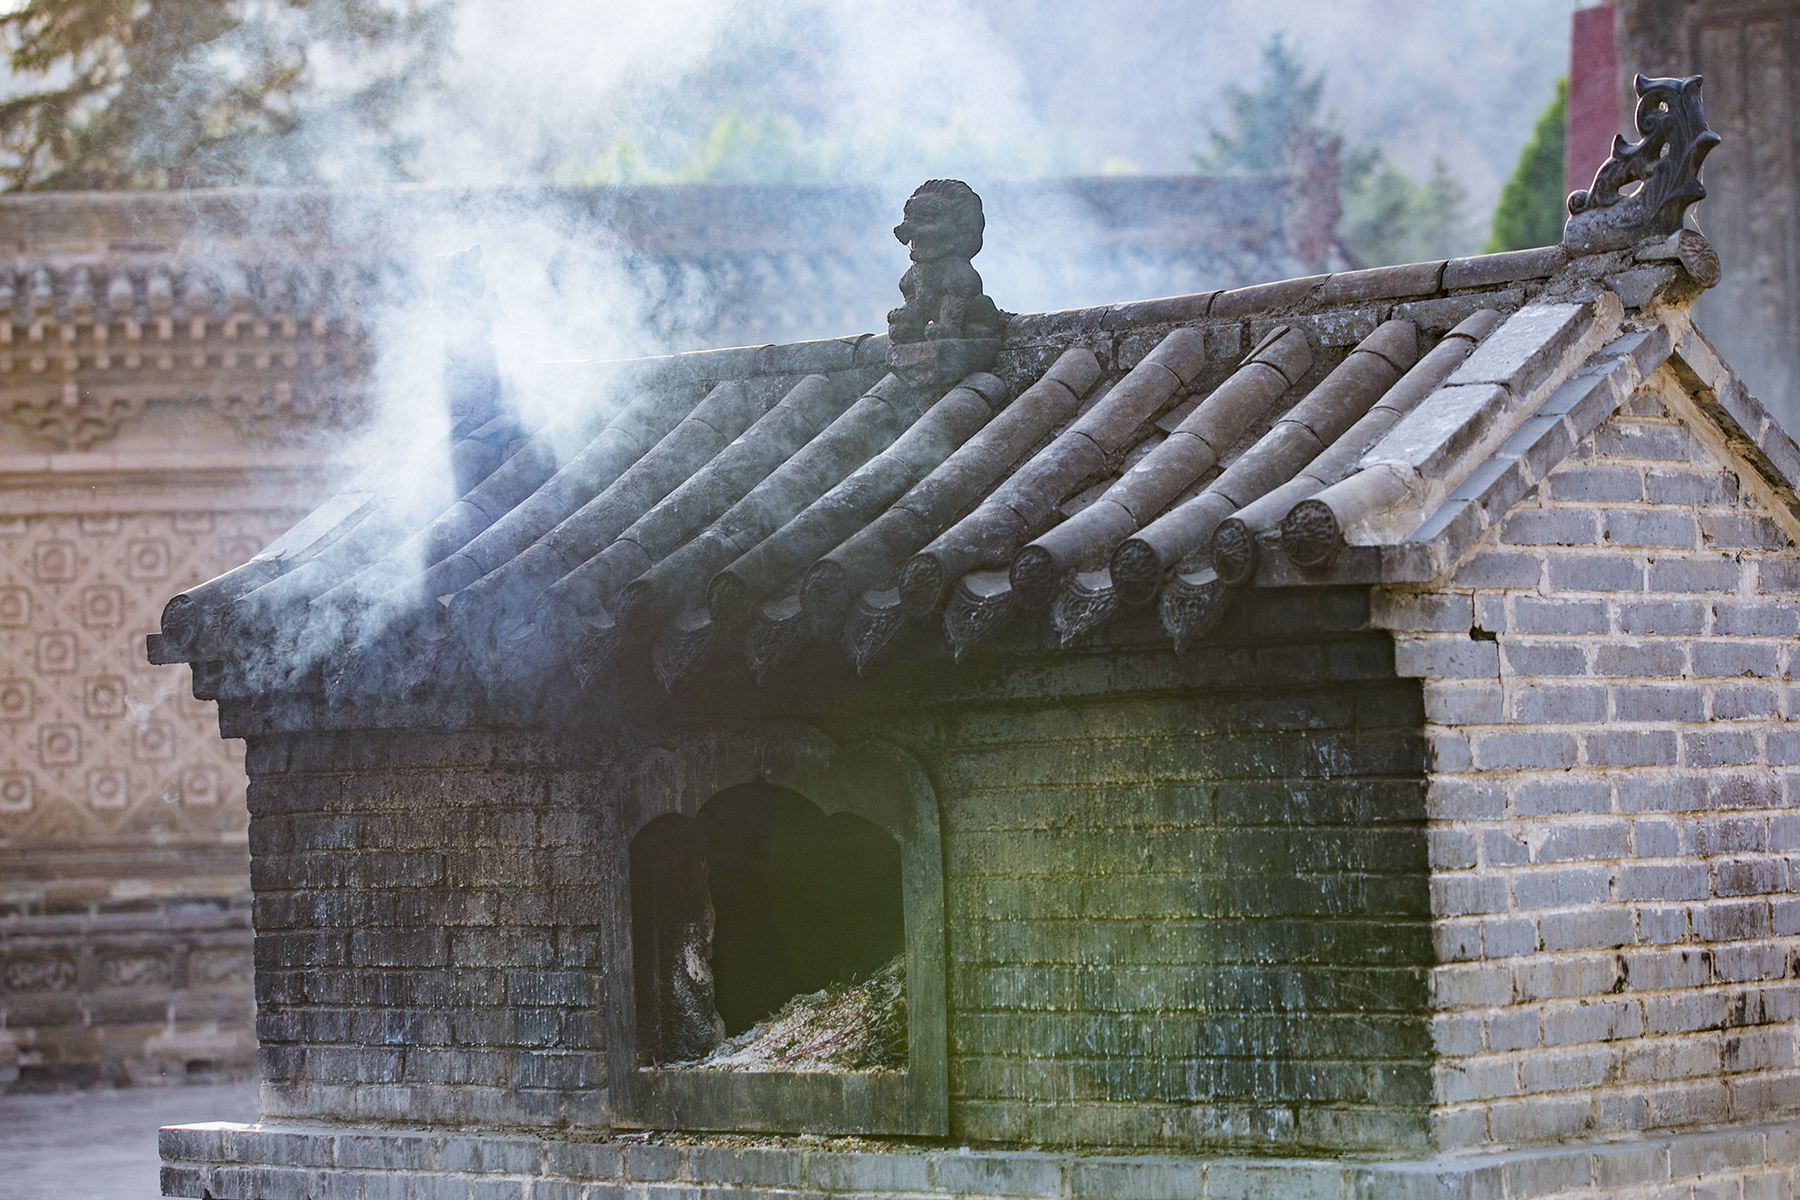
(759, 899)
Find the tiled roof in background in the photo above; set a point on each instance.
(712, 264)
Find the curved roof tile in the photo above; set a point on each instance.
(728, 507)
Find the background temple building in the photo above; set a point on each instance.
(1749, 52)
(178, 375)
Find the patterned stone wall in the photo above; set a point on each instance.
(124, 939)
(1609, 691)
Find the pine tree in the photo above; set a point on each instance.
(1530, 212)
(1266, 120)
(1389, 217)
(183, 93)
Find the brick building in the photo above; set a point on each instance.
(1323, 738)
(171, 392)
(178, 374)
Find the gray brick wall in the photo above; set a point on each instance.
(1186, 901)
(1608, 694)
(1189, 920)
(426, 944)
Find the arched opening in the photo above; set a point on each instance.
(766, 922)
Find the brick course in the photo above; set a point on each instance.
(1616, 948)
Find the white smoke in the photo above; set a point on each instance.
(884, 94)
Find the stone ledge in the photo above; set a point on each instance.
(271, 1161)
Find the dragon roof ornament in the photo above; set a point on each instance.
(1675, 142)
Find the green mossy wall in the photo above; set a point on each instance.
(1187, 900)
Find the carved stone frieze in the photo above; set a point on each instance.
(72, 416)
(282, 415)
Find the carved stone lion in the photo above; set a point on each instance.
(942, 228)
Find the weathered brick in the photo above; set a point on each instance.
(1730, 920)
(1446, 657)
(1784, 831)
(1459, 895)
(1684, 1012)
(1442, 612)
(1663, 486)
(1640, 659)
(1500, 848)
(1662, 617)
(1539, 1119)
(1514, 1029)
(650, 1162)
(1480, 1079)
(1630, 439)
(1744, 703)
(1471, 986)
(1450, 753)
(1559, 705)
(1588, 929)
(1595, 573)
(1464, 703)
(1741, 531)
(1503, 570)
(1548, 1173)
(1621, 748)
(1559, 887)
(1596, 483)
(1019, 1173)
(1660, 924)
(1504, 937)
(1755, 618)
(1681, 881)
(1588, 839)
(1719, 748)
(1648, 527)
(1545, 657)
(1451, 849)
(1736, 658)
(1778, 575)
(1564, 795)
(1564, 977)
(1455, 1034)
(1549, 527)
(1456, 941)
(848, 1172)
(1554, 615)
(1694, 575)
(1592, 1022)
(1105, 1178)
(1668, 794)
(1499, 751)
(1710, 1153)
(1659, 702)
(1749, 876)
(1464, 799)
(1655, 838)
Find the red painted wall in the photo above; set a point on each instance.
(1593, 110)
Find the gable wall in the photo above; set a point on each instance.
(1607, 685)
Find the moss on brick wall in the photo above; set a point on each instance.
(1186, 900)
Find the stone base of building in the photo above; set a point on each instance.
(104, 991)
(281, 1161)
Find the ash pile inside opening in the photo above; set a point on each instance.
(853, 1027)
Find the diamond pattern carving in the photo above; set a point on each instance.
(97, 747)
